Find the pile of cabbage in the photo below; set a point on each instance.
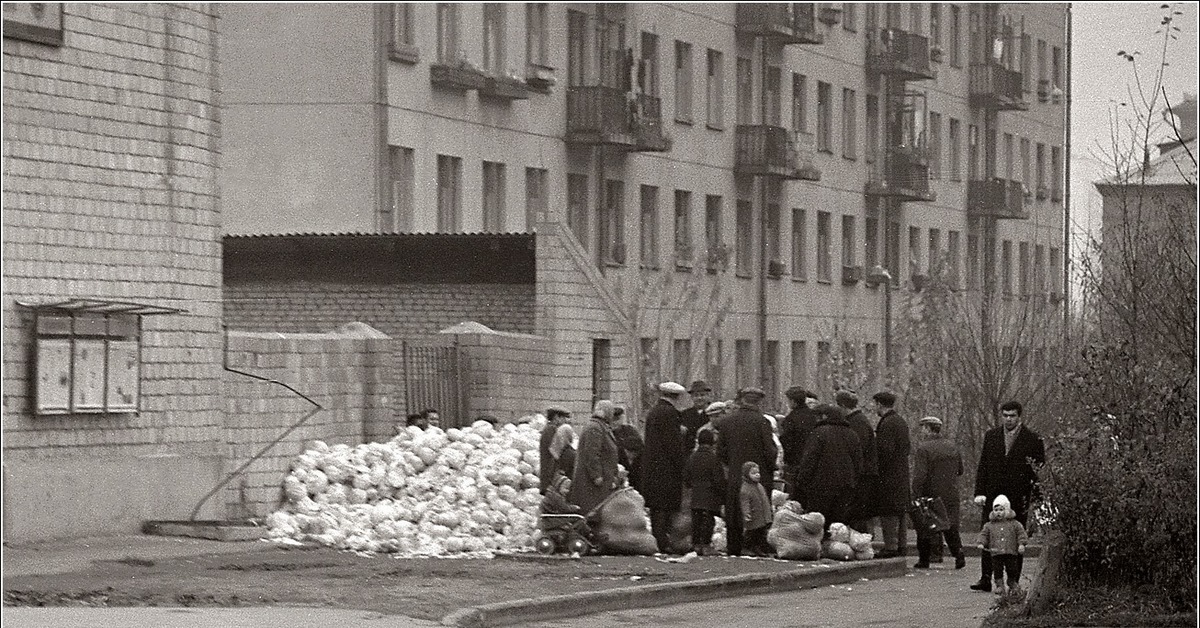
(423, 493)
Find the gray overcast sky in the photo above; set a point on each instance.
(1099, 77)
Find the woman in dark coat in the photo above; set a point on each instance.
(892, 445)
(596, 463)
(936, 467)
(830, 466)
(663, 459)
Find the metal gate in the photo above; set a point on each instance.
(434, 377)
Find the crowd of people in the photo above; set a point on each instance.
(832, 458)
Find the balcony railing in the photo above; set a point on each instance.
(774, 151)
(899, 53)
(997, 198)
(904, 176)
(607, 115)
(996, 87)
(788, 23)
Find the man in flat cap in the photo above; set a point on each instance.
(937, 465)
(744, 435)
(663, 460)
(693, 417)
(862, 510)
(893, 446)
(794, 429)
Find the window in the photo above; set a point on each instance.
(935, 251)
(712, 230)
(799, 103)
(799, 362)
(651, 365)
(602, 373)
(871, 360)
(850, 16)
(972, 152)
(773, 96)
(824, 248)
(849, 240)
(447, 25)
(916, 21)
(799, 245)
(871, 248)
(849, 124)
(577, 207)
(1025, 163)
(954, 256)
(1056, 67)
(871, 148)
(1055, 271)
(537, 33)
(771, 377)
(449, 176)
(1008, 156)
(741, 363)
(1041, 62)
(1041, 169)
(935, 145)
(684, 254)
(649, 228)
(577, 48)
(745, 91)
(716, 91)
(935, 24)
(87, 362)
(612, 223)
(914, 251)
(892, 250)
(1039, 269)
(956, 36)
(683, 82)
(648, 71)
(537, 197)
(824, 361)
(1056, 173)
(1023, 276)
(773, 231)
(824, 117)
(955, 150)
(1027, 62)
(493, 38)
(893, 10)
(849, 355)
(1006, 268)
(396, 215)
(681, 358)
(403, 46)
(745, 229)
(493, 197)
(713, 350)
(972, 261)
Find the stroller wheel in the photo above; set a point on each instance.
(545, 545)
(579, 546)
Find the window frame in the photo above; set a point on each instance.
(449, 186)
(684, 245)
(402, 45)
(849, 124)
(494, 184)
(537, 34)
(824, 117)
(824, 247)
(62, 339)
(537, 196)
(684, 82)
(715, 90)
(648, 226)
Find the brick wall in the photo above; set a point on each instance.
(508, 374)
(409, 309)
(110, 192)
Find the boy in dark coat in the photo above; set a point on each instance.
(706, 479)
(830, 466)
(756, 511)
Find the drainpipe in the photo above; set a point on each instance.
(763, 261)
(1066, 254)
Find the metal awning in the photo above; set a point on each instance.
(100, 306)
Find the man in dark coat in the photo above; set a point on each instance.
(629, 446)
(1006, 467)
(937, 464)
(663, 460)
(744, 435)
(693, 417)
(893, 446)
(863, 508)
(794, 429)
(830, 466)
(555, 416)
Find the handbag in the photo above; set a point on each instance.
(929, 515)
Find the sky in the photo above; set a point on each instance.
(1100, 80)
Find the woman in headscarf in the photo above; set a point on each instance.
(596, 463)
(562, 450)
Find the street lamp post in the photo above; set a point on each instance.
(878, 275)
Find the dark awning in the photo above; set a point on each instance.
(100, 306)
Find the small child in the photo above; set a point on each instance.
(1005, 538)
(705, 477)
(555, 502)
(756, 511)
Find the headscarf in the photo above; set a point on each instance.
(563, 437)
(604, 410)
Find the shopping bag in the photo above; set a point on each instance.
(929, 515)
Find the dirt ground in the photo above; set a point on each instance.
(424, 588)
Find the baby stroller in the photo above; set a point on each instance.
(564, 533)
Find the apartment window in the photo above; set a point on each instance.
(741, 363)
(849, 240)
(849, 124)
(683, 82)
(972, 262)
(1006, 268)
(799, 362)
(1055, 271)
(745, 229)
(681, 357)
(712, 359)
(771, 377)
(850, 16)
(824, 117)
(954, 257)
(651, 364)
(1023, 269)
(1008, 156)
(612, 223)
(935, 145)
(712, 229)
(955, 150)
(914, 251)
(935, 251)
(537, 33)
(773, 231)
(972, 152)
(449, 176)
(1041, 61)
(1039, 269)
(1056, 66)
(1041, 168)
(447, 29)
(935, 24)
(577, 48)
(493, 197)
(396, 215)
(745, 91)
(916, 21)
(577, 207)
(849, 355)
(956, 35)
(684, 254)
(87, 362)
(893, 10)
(824, 357)
(871, 148)
(772, 94)
(799, 244)
(648, 71)
(892, 250)
(648, 234)
(716, 91)
(537, 197)
(824, 248)
(402, 43)
(1027, 62)
(799, 103)
(493, 38)
(871, 237)
(1056, 173)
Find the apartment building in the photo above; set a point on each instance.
(769, 158)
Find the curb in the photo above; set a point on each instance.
(1033, 550)
(665, 594)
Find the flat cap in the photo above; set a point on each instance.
(930, 420)
(671, 388)
(751, 391)
(716, 407)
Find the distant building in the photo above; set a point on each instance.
(112, 266)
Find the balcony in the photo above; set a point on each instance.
(997, 88)
(905, 176)
(899, 54)
(774, 151)
(606, 115)
(997, 198)
(505, 88)
(458, 77)
(787, 23)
